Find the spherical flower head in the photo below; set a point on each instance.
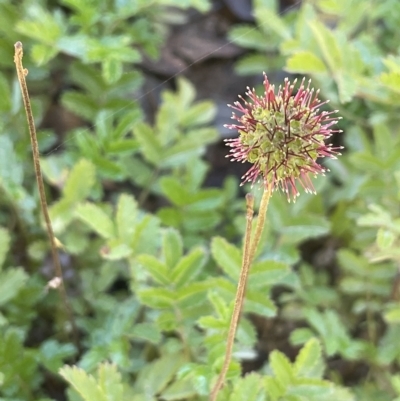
(282, 135)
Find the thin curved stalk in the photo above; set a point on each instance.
(22, 72)
(249, 250)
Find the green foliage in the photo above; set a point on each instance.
(12, 279)
(107, 386)
(302, 380)
(330, 41)
(298, 381)
(151, 255)
(17, 365)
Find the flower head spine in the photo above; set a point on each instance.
(282, 135)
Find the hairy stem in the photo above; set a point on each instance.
(262, 213)
(22, 72)
(249, 250)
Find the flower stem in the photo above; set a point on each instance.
(262, 213)
(22, 72)
(249, 250)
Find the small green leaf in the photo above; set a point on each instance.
(5, 98)
(174, 191)
(309, 360)
(80, 104)
(86, 76)
(246, 334)
(116, 250)
(353, 263)
(172, 247)
(304, 227)
(392, 63)
(11, 281)
(301, 336)
(347, 86)
(206, 200)
(138, 171)
(211, 322)
(385, 239)
(61, 215)
(328, 45)
(108, 168)
(189, 267)
(147, 237)
(122, 147)
(267, 273)
(248, 388)
(199, 114)
(127, 121)
(282, 368)
(251, 64)
(52, 354)
(79, 182)
(395, 379)
(392, 316)
(96, 218)
(180, 389)
(126, 216)
(42, 25)
(276, 24)
(305, 63)
(192, 293)
(104, 126)
(312, 389)
(9, 16)
(112, 70)
(248, 37)
(159, 298)
(170, 216)
(43, 53)
(147, 332)
(219, 305)
(83, 383)
(259, 303)
(74, 45)
(157, 270)
(189, 147)
(87, 143)
(110, 382)
(186, 92)
(154, 377)
(227, 256)
(14, 357)
(275, 390)
(382, 138)
(378, 217)
(11, 169)
(391, 80)
(4, 245)
(149, 143)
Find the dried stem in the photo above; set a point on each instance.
(22, 72)
(249, 250)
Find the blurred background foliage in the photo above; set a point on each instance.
(129, 98)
